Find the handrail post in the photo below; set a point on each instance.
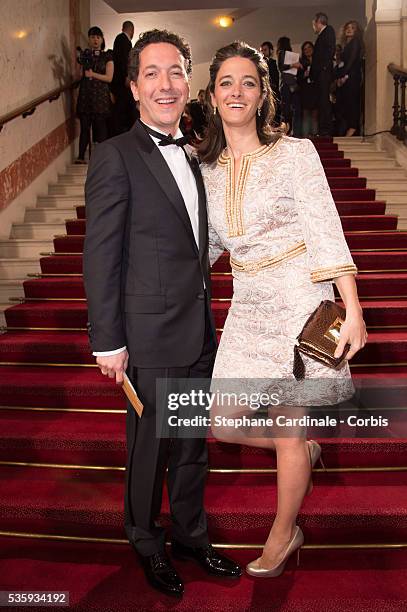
(403, 118)
(396, 108)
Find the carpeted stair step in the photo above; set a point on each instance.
(339, 194)
(60, 387)
(371, 207)
(81, 212)
(355, 222)
(88, 503)
(72, 264)
(61, 264)
(339, 162)
(71, 347)
(89, 439)
(336, 453)
(385, 260)
(108, 577)
(371, 240)
(60, 314)
(369, 285)
(330, 154)
(346, 182)
(48, 315)
(325, 146)
(69, 244)
(376, 313)
(70, 438)
(45, 347)
(369, 222)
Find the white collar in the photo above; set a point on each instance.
(126, 35)
(178, 134)
(320, 32)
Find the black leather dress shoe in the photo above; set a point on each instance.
(212, 562)
(161, 574)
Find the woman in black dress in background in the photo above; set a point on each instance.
(308, 93)
(349, 77)
(94, 104)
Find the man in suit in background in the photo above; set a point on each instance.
(198, 112)
(146, 273)
(266, 48)
(124, 110)
(322, 70)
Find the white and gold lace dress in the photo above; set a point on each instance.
(282, 230)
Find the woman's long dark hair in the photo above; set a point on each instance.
(284, 44)
(214, 140)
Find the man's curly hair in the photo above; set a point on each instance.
(157, 36)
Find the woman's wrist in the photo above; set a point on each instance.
(354, 310)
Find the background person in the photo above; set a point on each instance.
(94, 104)
(349, 77)
(308, 93)
(198, 112)
(289, 90)
(321, 72)
(267, 49)
(123, 113)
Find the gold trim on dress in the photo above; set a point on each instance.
(235, 193)
(322, 274)
(252, 267)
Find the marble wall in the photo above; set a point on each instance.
(37, 41)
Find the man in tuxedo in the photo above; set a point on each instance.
(147, 281)
(321, 71)
(124, 108)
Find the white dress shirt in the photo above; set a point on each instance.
(184, 177)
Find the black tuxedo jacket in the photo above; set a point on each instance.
(324, 52)
(143, 272)
(121, 50)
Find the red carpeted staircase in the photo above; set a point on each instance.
(62, 449)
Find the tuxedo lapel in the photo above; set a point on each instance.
(202, 214)
(163, 175)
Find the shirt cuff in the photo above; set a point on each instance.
(109, 353)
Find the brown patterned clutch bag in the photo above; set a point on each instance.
(319, 338)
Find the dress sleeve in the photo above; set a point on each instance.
(328, 254)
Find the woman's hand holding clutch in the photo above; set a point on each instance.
(353, 332)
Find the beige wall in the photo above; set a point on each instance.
(386, 42)
(37, 62)
(36, 42)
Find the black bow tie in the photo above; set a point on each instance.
(166, 140)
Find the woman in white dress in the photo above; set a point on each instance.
(270, 206)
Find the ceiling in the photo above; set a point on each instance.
(140, 6)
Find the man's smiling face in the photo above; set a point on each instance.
(162, 86)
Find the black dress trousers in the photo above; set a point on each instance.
(148, 456)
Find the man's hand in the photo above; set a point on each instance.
(114, 366)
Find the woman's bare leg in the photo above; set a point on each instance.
(293, 472)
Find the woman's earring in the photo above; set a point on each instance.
(215, 110)
(259, 111)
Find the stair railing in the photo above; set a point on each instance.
(28, 109)
(398, 128)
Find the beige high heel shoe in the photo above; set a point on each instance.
(314, 451)
(294, 544)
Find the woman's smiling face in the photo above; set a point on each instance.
(237, 94)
